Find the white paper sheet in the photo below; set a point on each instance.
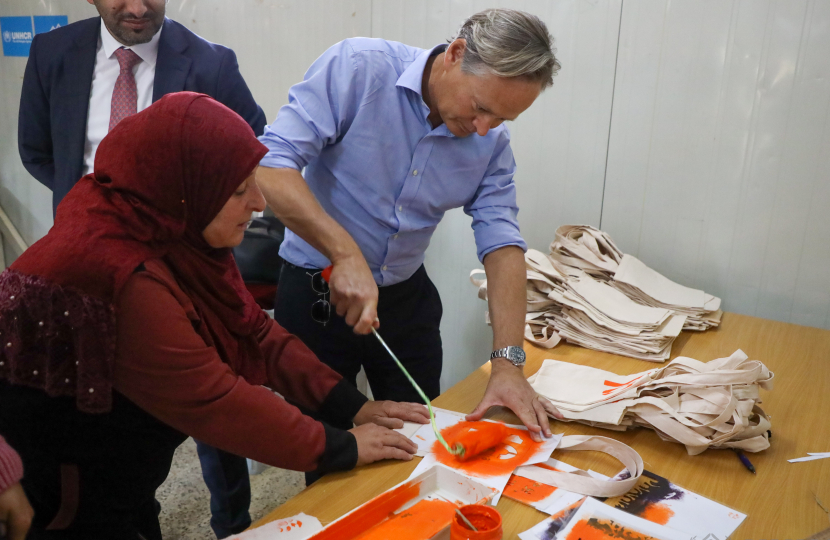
(811, 456)
(683, 510)
(592, 509)
(299, 527)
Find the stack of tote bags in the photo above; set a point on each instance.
(701, 405)
(590, 293)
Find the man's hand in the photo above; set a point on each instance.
(391, 414)
(375, 443)
(15, 512)
(354, 292)
(509, 388)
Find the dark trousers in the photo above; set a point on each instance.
(410, 319)
(226, 476)
(88, 476)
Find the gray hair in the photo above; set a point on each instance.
(508, 43)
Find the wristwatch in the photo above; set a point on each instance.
(514, 355)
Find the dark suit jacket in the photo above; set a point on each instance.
(54, 103)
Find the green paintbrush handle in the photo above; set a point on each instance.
(458, 450)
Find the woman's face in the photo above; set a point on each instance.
(228, 227)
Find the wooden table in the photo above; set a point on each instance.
(778, 501)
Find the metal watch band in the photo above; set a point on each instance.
(514, 355)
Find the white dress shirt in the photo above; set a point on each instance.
(103, 82)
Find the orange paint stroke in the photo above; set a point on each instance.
(488, 463)
(657, 513)
(604, 529)
(373, 512)
(617, 386)
(423, 520)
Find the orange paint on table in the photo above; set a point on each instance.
(373, 512)
(496, 461)
(423, 520)
(658, 513)
(604, 529)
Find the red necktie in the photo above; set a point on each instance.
(125, 94)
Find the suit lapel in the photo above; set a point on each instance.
(79, 65)
(172, 66)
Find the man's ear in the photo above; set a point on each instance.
(455, 52)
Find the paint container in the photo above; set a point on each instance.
(484, 518)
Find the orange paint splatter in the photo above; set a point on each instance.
(657, 513)
(423, 520)
(602, 529)
(497, 461)
(375, 511)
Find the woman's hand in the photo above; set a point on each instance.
(16, 513)
(375, 443)
(391, 414)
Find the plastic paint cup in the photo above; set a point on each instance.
(484, 518)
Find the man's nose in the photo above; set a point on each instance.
(137, 8)
(482, 125)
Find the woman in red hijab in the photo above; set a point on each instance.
(127, 328)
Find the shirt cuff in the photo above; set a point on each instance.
(340, 453)
(342, 403)
(11, 467)
(276, 161)
(496, 236)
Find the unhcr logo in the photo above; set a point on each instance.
(17, 37)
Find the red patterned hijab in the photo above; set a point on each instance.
(160, 178)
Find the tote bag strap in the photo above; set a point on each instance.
(580, 481)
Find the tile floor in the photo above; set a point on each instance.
(185, 501)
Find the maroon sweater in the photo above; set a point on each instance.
(164, 367)
(11, 468)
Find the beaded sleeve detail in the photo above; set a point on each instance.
(57, 339)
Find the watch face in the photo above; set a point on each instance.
(516, 355)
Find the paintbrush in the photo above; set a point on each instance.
(467, 521)
(457, 450)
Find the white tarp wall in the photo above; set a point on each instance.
(694, 132)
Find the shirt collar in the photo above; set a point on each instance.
(412, 77)
(148, 52)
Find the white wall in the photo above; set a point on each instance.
(695, 132)
(720, 150)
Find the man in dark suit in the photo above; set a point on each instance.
(58, 85)
(80, 81)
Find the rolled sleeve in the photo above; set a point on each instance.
(494, 209)
(319, 111)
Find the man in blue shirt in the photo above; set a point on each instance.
(391, 137)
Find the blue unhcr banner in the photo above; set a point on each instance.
(17, 35)
(44, 23)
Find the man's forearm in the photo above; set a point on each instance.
(507, 296)
(287, 193)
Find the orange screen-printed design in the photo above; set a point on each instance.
(529, 491)
(497, 461)
(423, 520)
(604, 529)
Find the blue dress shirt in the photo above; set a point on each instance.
(358, 125)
